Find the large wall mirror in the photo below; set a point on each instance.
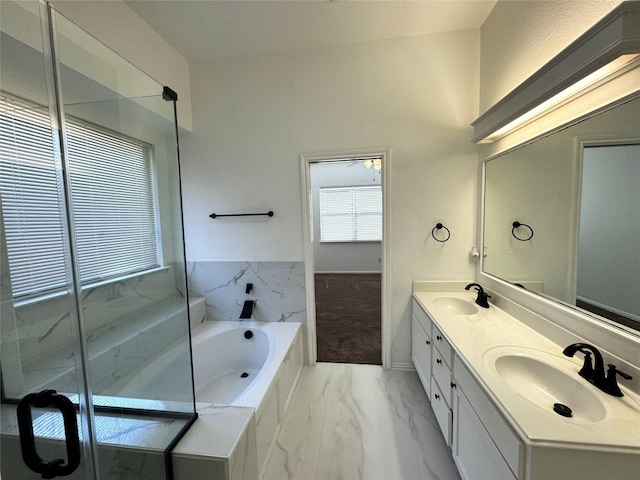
(576, 196)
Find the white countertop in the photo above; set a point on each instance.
(472, 336)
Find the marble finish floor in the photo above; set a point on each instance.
(360, 422)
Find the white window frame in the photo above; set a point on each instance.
(346, 213)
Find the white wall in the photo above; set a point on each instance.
(254, 116)
(342, 257)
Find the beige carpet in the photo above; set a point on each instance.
(348, 319)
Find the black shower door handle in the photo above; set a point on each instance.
(57, 467)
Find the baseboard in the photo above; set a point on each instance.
(348, 272)
(407, 366)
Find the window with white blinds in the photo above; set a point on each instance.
(351, 214)
(113, 198)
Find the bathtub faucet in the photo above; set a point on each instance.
(247, 309)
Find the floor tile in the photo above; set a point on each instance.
(357, 422)
(295, 454)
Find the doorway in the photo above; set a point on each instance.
(608, 260)
(345, 255)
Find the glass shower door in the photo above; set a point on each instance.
(121, 160)
(43, 373)
(121, 150)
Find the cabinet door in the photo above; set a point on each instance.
(421, 354)
(475, 454)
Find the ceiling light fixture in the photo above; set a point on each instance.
(376, 163)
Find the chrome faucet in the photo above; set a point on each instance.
(483, 297)
(594, 373)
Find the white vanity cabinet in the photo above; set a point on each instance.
(421, 346)
(482, 443)
(433, 358)
(498, 433)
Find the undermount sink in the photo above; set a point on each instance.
(455, 305)
(548, 382)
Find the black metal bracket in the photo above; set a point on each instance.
(217, 215)
(169, 95)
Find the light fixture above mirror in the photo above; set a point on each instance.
(605, 60)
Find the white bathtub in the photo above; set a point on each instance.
(259, 372)
(222, 354)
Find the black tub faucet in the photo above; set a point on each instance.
(483, 297)
(247, 309)
(595, 373)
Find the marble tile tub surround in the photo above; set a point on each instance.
(114, 316)
(45, 326)
(278, 289)
(360, 422)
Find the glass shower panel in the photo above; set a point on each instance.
(39, 326)
(121, 153)
(121, 147)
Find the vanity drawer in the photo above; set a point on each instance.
(422, 317)
(443, 413)
(443, 346)
(442, 375)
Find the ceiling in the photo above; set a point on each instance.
(206, 30)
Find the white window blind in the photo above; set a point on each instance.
(113, 203)
(113, 196)
(31, 200)
(351, 214)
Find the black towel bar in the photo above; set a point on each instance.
(216, 215)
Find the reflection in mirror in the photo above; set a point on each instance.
(578, 190)
(608, 252)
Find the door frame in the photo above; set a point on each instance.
(580, 143)
(306, 159)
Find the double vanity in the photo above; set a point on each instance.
(509, 403)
